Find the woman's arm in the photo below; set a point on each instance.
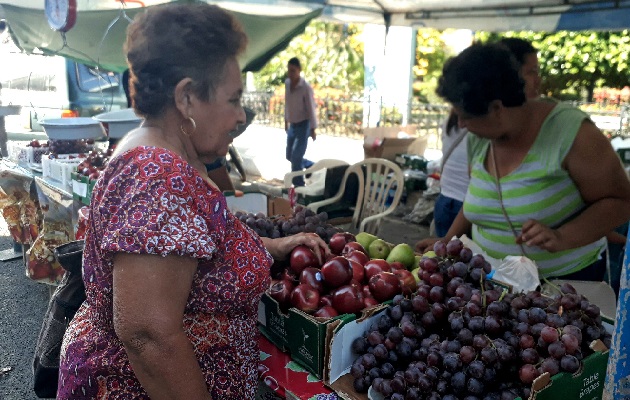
(281, 248)
(150, 294)
(604, 185)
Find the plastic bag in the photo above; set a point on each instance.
(518, 271)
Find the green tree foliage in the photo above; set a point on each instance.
(331, 56)
(576, 62)
(431, 52)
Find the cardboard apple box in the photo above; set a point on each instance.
(305, 337)
(383, 142)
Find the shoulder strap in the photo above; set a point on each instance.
(450, 150)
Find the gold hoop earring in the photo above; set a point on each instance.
(192, 122)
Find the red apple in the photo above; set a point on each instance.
(384, 286)
(326, 312)
(369, 301)
(325, 300)
(313, 277)
(397, 265)
(305, 298)
(358, 272)
(375, 266)
(348, 299)
(280, 291)
(350, 246)
(358, 256)
(366, 290)
(339, 240)
(407, 281)
(302, 257)
(337, 272)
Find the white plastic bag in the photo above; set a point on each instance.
(518, 271)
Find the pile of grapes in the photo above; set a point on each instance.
(457, 337)
(302, 220)
(59, 146)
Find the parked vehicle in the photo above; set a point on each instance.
(57, 87)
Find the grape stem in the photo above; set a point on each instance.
(547, 281)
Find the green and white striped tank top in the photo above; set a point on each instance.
(538, 189)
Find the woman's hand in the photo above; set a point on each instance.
(425, 245)
(536, 234)
(281, 248)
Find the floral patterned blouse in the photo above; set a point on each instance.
(150, 201)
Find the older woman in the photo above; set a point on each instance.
(172, 278)
(544, 181)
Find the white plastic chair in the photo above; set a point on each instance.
(376, 177)
(318, 166)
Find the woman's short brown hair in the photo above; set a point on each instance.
(168, 43)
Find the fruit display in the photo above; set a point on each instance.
(347, 282)
(302, 220)
(80, 146)
(35, 151)
(459, 337)
(94, 163)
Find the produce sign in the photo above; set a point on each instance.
(459, 337)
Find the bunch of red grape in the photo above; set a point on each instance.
(59, 146)
(461, 338)
(302, 220)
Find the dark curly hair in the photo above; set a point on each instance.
(168, 43)
(519, 47)
(479, 75)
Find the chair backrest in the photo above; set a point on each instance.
(321, 164)
(380, 189)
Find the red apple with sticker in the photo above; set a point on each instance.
(337, 272)
(384, 286)
(339, 240)
(348, 299)
(306, 298)
(313, 277)
(302, 257)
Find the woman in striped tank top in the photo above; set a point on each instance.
(544, 181)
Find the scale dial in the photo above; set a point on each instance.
(61, 14)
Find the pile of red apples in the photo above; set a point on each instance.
(347, 282)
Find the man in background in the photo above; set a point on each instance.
(300, 119)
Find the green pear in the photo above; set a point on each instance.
(416, 274)
(365, 239)
(402, 253)
(416, 263)
(379, 249)
(429, 254)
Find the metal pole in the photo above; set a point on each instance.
(617, 386)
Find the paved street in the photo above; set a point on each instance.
(22, 307)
